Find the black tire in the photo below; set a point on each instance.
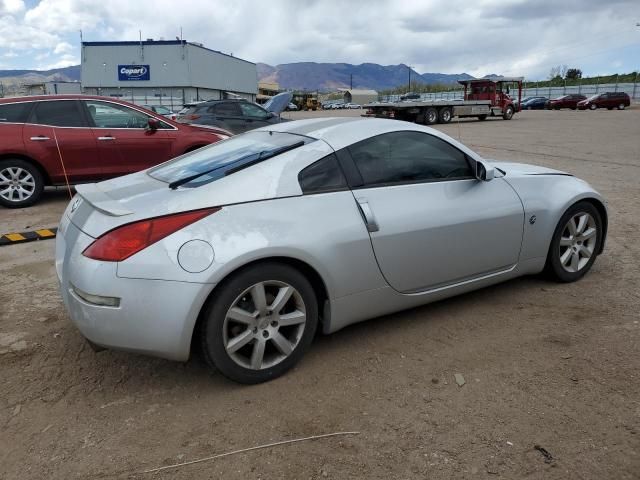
(482, 117)
(554, 267)
(445, 115)
(593, 106)
(508, 113)
(430, 116)
(35, 187)
(621, 106)
(214, 314)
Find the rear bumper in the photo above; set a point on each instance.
(154, 317)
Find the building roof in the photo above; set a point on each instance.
(358, 91)
(159, 43)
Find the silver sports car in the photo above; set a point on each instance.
(249, 246)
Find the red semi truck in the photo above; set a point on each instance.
(484, 97)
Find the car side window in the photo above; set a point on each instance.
(325, 175)
(408, 157)
(227, 109)
(250, 110)
(112, 115)
(58, 113)
(15, 112)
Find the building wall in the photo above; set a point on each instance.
(171, 64)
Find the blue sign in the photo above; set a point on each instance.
(128, 73)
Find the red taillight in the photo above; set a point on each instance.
(122, 242)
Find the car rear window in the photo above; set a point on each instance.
(224, 158)
(15, 112)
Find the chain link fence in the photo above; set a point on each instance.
(533, 89)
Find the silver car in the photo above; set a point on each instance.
(248, 247)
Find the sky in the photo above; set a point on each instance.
(480, 37)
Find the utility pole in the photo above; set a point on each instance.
(351, 81)
(409, 87)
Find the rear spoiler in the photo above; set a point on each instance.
(101, 201)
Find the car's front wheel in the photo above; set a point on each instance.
(621, 106)
(259, 323)
(508, 113)
(21, 183)
(593, 106)
(575, 243)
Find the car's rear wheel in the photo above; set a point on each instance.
(593, 106)
(621, 106)
(259, 323)
(21, 183)
(575, 243)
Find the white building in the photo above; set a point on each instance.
(164, 72)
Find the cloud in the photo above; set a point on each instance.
(11, 7)
(451, 36)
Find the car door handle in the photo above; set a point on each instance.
(104, 139)
(39, 138)
(367, 215)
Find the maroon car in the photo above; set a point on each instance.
(85, 139)
(565, 101)
(608, 100)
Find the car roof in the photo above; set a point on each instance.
(340, 132)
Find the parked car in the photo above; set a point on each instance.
(237, 115)
(565, 101)
(292, 107)
(337, 106)
(353, 106)
(247, 247)
(608, 100)
(189, 105)
(534, 103)
(49, 140)
(162, 110)
(410, 96)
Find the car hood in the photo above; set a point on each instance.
(521, 169)
(278, 103)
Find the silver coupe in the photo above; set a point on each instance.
(248, 247)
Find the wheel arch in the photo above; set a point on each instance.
(191, 148)
(604, 216)
(317, 282)
(35, 163)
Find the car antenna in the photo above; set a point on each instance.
(64, 170)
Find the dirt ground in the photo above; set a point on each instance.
(545, 364)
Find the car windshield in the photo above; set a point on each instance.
(225, 157)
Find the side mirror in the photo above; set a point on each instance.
(153, 124)
(484, 172)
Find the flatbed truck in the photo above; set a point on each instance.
(483, 98)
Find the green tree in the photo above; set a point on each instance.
(573, 74)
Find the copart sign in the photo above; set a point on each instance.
(133, 73)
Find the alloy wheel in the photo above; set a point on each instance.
(578, 242)
(264, 325)
(16, 184)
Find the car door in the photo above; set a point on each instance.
(125, 142)
(255, 116)
(58, 136)
(431, 222)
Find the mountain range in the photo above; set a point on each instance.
(330, 76)
(297, 76)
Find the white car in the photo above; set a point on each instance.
(246, 247)
(354, 106)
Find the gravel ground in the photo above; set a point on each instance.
(545, 364)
